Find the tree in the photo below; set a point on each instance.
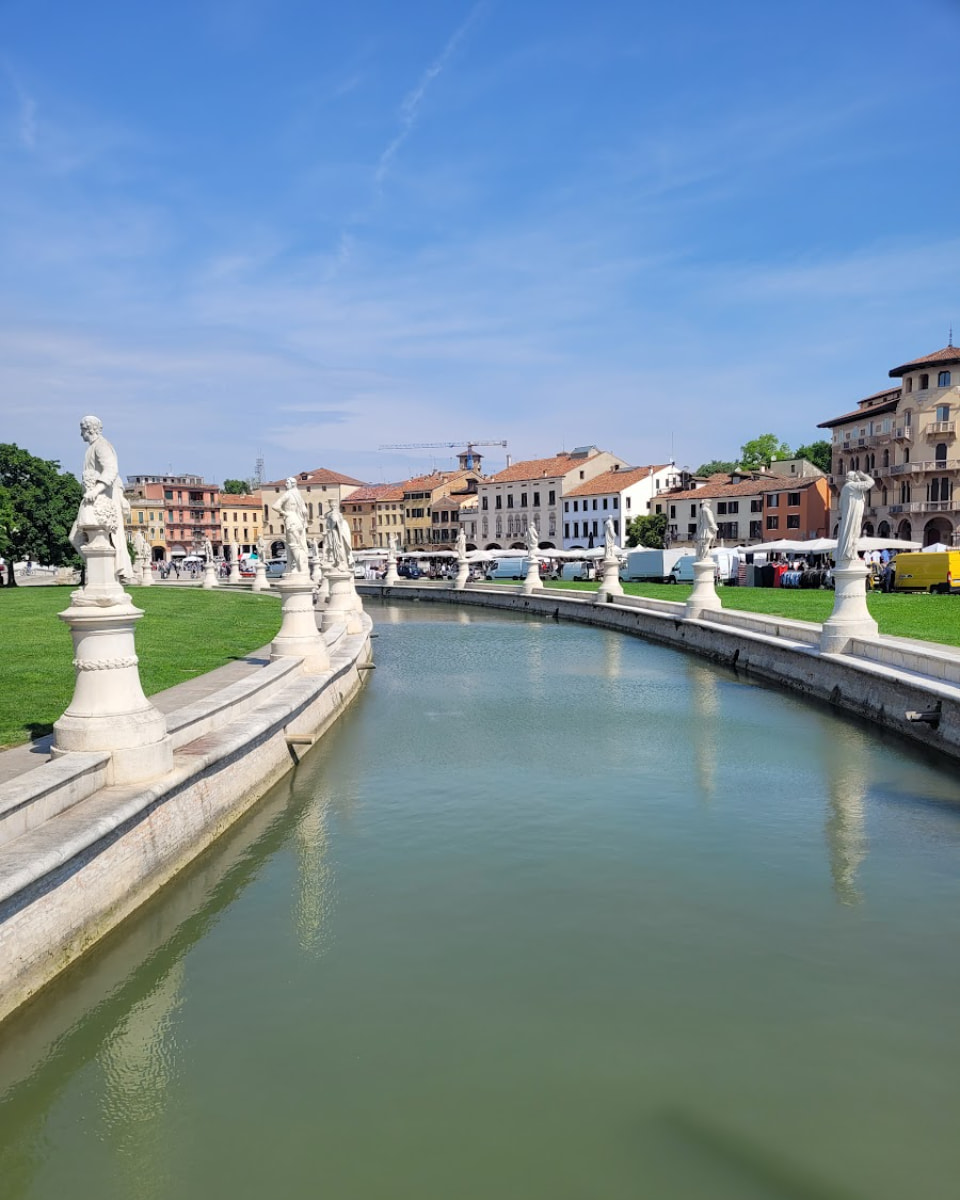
(38, 504)
(716, 467)
(819, 453)
(648, 531)
(235, 487)
(761, 451)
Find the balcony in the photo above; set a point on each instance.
(928, 465)
(941, 429)
(925, 506)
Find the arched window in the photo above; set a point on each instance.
(940, 453)
(906, 454)
(883, 495)
(883, 529)
(886, 458)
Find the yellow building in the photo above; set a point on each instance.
(419, 496)
(317, 488)
(369, 511)
(146, 517)
(241, 521)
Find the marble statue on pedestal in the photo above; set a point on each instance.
(461, 544)
(609, 539)
(103, 505)
(853, 497)
(293, 513)
(337, 540)
(706, 530)
(533, 541)
(207, 550)
(140, 547)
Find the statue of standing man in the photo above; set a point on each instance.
(293, 512)
(103, 505)
(853, 498)
(533, 541)
(706, 530)
(337, 541)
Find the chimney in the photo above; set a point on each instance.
(509, 460)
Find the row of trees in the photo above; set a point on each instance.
(38, 504)
(761, 451)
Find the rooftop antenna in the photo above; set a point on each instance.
(258, 472)
(950, 341)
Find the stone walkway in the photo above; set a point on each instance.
(24, 758)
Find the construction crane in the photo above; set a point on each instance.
(467, 457)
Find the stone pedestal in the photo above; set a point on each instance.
(463, 574)
(531, 579)
(234, 576)
(109, 711)
(343, 604)
(704, 595)
(316, 572)
(850, 616)
(146, 573)
(610, 584)
(260, 581)
(210, 576)
(391, 578)
(299, 636)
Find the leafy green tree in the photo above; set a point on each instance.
(761, 451)
(819, 453)
(717, 467)
(38, 504)
(235, 487)
(648, 531)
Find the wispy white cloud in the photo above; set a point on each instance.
(412, 102)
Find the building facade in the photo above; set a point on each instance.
(620, 494)
(148, 517)
(191, 510)
(317, 488)
(363, 509)
(532, 491)
(905, 438)
(241, 518)
(752, 507)
(421, 494)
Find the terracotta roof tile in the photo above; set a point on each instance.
(886, 406)
(949, 354)
(749, 487)
(377, 491)
(539, 468)
(613, 481)
(319, 475)
(229, 499)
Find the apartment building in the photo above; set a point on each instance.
(241, 520)
(756, 506)
(318, 488)
(620, 494)
(905, 438)
(533, 491)
(191, 509)
(148, 517)
(366, 511)
(421, 494)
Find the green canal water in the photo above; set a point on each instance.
(551, 913)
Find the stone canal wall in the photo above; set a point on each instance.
(881, 679)
(77, 855)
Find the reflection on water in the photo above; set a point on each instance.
(489, 940)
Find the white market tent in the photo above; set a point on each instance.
(826, 545)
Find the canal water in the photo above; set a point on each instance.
(551, 913)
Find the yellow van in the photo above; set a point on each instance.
(938, 571)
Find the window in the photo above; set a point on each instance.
(673, 510)
(773, 501)
(722, 508)
(140, 517)
(756, 529)
(576, 506)
(909, 384)
(693, 510)
(943, 412)
(793, 499)
(924, 382)
(907, 418)
(886, 458)
(581, 474)
(523, 499)
(594, 506)
(566, 531)
(509, 499)
(940, 453)
(793, 520)
(552, 497)
(483, 503)
(616, 502)
(943, 379)
(604, 502)
(773, 522)
(536, 499)
(498, 502)
(733, 506)
(167, 495)
(594, 529)
(756, 506)
(576, 529)
(566, 506)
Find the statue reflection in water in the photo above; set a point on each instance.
(705, 708)
(847, 764)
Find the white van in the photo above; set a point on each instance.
(726, 562)
(507, 568)
(578, 571)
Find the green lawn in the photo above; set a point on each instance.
(900, 614)
(186, 632)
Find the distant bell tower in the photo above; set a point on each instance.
(470, 460)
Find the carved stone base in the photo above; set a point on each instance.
(391, 579)
(704, 595)
(260, 581)
(109, 711)
(146, 574)
(299, 636)
(234, 576)
(211, 578)
(463, 574)
(850, 616)
(343, 605)
(531, 579)
(610, 584)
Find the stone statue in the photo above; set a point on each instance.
(208, 550)
(533, 541)
(706, 530)
(293, 513)
(103, 505)
(609, 539)
(140, 547)
(337, 540)
(461, 544)
(314, 549)
(853, 497)
(261, 549)
(395, 544)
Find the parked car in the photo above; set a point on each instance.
(276, 567)
(507, 568)
(409, 570)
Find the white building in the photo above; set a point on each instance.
(621, 494)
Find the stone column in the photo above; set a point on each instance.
(299, 636)
(210, 577)
(610, 584)
(343, 605)
(234, 576)
(463, 574)
(704, 595)
(532, 578)
(146, 572)
(260, 581)
(109, 711)
(391, 578)
(850, 616)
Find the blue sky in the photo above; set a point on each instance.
(234, 226)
